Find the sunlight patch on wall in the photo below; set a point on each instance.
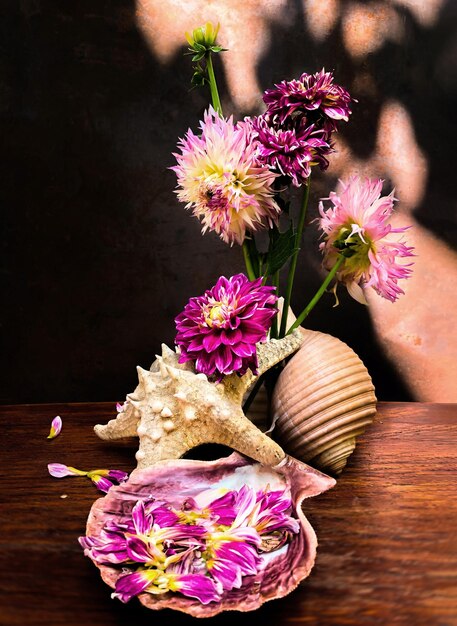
(321, 17)
(245, 32)
(367, 26)
(397, 157)
(400, 155)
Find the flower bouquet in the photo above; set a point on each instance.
(206, 536)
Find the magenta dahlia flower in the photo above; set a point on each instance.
(220, 329)
(313, 96)
(290, 150)
(221, 181)
(357, 227)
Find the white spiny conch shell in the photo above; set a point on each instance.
(323, 399)
(173, 409)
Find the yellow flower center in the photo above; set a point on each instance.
(354, 244)
(216, 314)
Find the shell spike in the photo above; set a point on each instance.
(142, 374)
(163, 369)
(172, 372)
(169, 355)
(146, 382)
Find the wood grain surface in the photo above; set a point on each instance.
(387, 532)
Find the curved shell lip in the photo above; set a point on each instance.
(297, 560)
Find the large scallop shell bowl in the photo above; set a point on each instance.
(279, 568)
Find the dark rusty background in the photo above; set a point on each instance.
(98, 255)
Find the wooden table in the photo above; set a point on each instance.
(387, 531)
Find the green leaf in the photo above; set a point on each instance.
(198, 79)
(282, 247)
(198, 57)
(255, 255)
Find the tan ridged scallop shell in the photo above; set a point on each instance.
(323, 400)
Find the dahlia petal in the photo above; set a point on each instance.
(337, 113)
(56, 427)
(231, 338)
(131, 585)
(137, 550)
(141, 520)
(244, 349)
(196, 586)
(101, 482)
(104, 479)
(58, 470)
(356, 292)
(211, 342)
(223, 360)
(231, 561)
(162, 515)
(110, 549)
(225, 573)
(118, 476)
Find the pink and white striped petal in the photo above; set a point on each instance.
(56, 427)
(58, 470)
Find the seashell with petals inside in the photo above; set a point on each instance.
(281, 567)
(323, 400)
(173, 409)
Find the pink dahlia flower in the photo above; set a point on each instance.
(314, 96)
(357, 228)
(290, 151)
(220, 329)
(220, 179)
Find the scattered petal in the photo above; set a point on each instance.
(56, 427)
(102, 483)
(104, 479)
(58, 470)
(134, 583)
(196, 586)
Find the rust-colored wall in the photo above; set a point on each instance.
(98, 254)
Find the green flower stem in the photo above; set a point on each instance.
(253, 394)
(274, 324)
(293, 262)
(318, 295)
(213, 85)
(247, 261)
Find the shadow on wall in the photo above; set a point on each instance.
(99, 254)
